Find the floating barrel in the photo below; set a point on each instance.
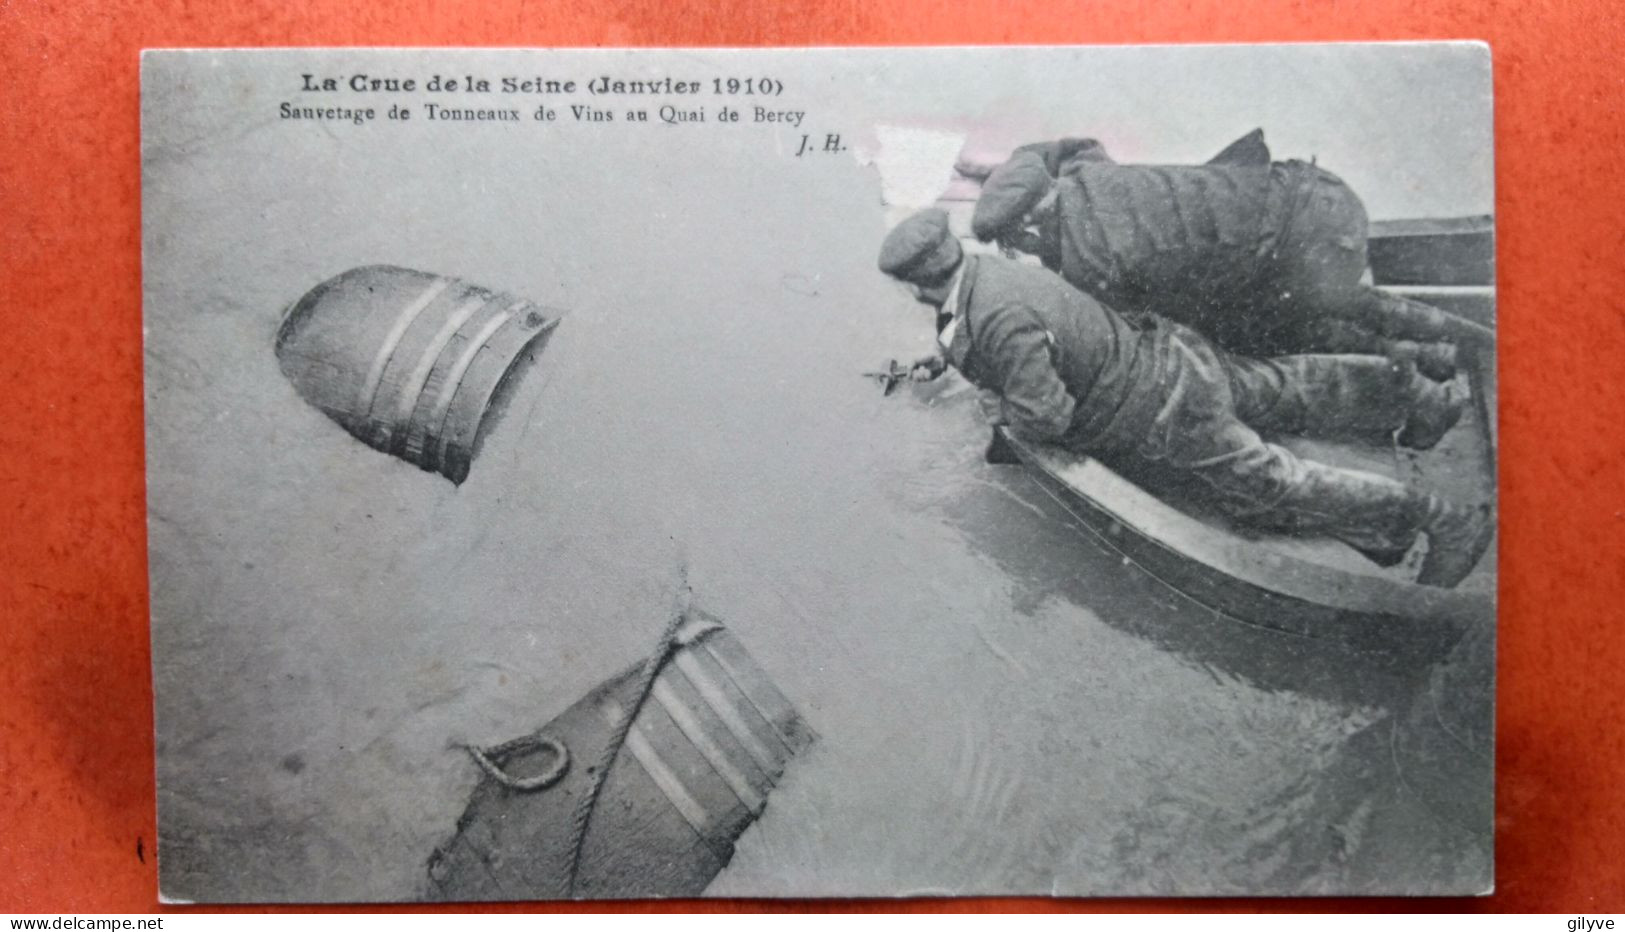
(710, 741)
(413, 364)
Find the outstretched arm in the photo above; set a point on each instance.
(1016, 348)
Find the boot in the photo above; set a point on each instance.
(1458, 535)
(1432, 415)
(1379, 517)
(1437, 361)
(1385, 558)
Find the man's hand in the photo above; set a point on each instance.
(978, 165)
(923, 369)
(1020, 242)
(927, 368)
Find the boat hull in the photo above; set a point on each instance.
(1257, 580)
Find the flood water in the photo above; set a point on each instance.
(1003, 704)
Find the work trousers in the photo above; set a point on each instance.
(1312, 292)
(1206, 440)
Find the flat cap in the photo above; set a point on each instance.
(1010, 192)
(1060, 154)
(920, 249)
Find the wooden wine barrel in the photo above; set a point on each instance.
(413, 364)
(711, 740)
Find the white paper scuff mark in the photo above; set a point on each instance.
(915, 165)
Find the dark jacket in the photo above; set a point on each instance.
(1244, 250)
(1067, 368)
(1159, 237)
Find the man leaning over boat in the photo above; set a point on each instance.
(1262, 257)
(1066, 369)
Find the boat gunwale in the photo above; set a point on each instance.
(1257, 575)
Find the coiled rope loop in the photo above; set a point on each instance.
(541, 781)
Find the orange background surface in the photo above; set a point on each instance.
(76, 758)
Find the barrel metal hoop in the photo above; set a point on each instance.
(408, 400)
(670, 784)
(689, 724)
(766, 759)
(386, 350)
(435, 424)
(757, 705)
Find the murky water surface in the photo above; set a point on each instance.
(1003, 704)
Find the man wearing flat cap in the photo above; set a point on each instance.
(1262, 257)
(1068, 370)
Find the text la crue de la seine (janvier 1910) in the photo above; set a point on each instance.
(470, 99)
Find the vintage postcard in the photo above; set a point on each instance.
(804, 473)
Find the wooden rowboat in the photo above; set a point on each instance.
(1444, 252)
(1309, 587)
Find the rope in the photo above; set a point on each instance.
(541, 781)
(651, 668)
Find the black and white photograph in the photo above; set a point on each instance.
(607, 474)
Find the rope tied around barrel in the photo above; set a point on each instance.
(646, 679)
(490, 760)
